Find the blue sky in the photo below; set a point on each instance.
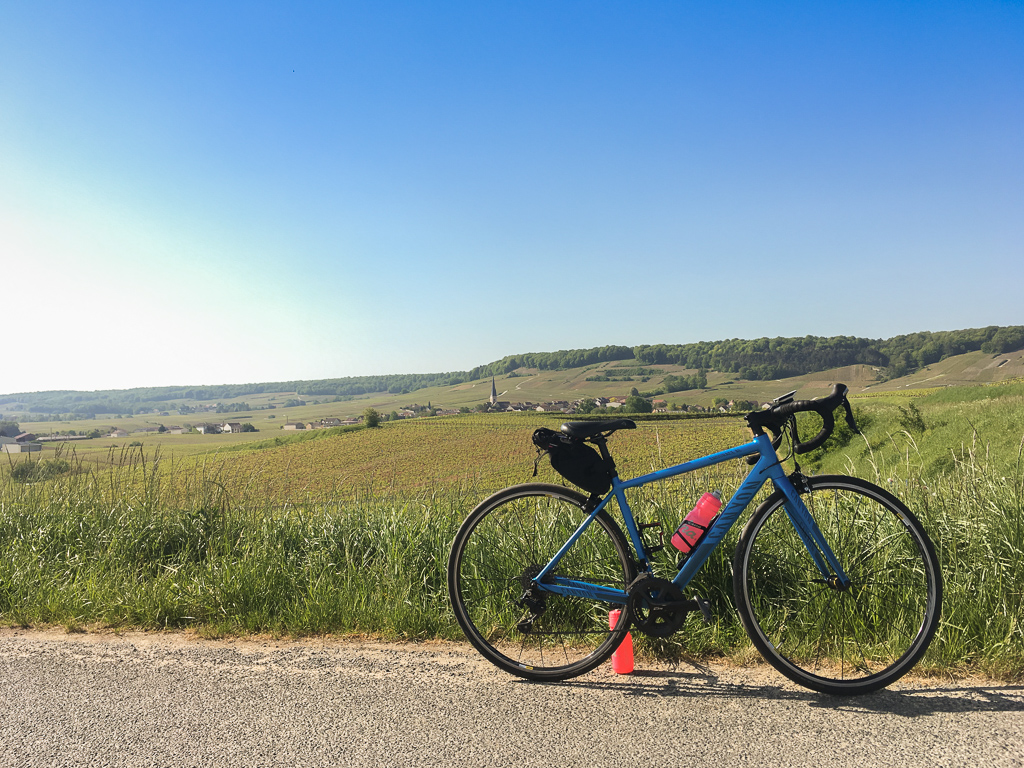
(201, 193)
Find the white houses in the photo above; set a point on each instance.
(11, 445)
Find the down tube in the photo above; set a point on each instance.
(739, 501)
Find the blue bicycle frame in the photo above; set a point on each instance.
(767, 468)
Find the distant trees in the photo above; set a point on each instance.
(637, 404)
(672, 383)
(371, 418)
(682, 383)
(764, 358)
(394, 384)
(552, 361)
(1005, 340)
(232, 407)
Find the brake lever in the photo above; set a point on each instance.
(849, 417)
(794, 434)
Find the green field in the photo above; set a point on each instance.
(928, 432)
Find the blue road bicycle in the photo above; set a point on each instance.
(834, 579)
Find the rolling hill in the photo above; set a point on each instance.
(568, 375)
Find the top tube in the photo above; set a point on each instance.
(740, 451)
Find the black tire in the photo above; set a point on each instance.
(839, 642)
(518, 529)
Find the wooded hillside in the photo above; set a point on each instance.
(757, 359)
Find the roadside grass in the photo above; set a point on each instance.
(932, 431)
(86, 551)
(154, 544)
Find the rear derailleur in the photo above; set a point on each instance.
(533, 599)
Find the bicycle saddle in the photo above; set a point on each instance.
(582, 429)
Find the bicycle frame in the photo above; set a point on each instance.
(767, 468)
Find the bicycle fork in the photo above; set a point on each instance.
(810, 534)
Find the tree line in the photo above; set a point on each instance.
(552, 361)
(779, 358)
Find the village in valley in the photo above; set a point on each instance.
(28, 442)
(582, 405)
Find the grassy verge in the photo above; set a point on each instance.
(89, 550)
(126, 548)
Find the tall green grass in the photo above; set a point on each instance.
(974, 513)
(122, 549)
(137, 547)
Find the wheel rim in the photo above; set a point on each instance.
(872, 630)
(514, 538)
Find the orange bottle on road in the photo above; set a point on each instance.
(622, 659)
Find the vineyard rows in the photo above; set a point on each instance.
(476, 453)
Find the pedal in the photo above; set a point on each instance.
(705, 608)
(697, 603)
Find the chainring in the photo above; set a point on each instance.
(656, 606)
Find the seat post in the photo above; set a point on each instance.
(602, 445)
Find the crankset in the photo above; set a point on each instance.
(658, 608)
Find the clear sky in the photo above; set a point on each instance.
(227, 192)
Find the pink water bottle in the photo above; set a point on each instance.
(696, 524)
(622, 658)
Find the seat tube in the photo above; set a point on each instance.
(627, 517)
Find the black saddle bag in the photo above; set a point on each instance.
(574, 460)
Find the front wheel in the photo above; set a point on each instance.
(829, 638)
(497, 553)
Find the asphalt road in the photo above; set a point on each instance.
(167, 700)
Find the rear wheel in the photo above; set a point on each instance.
(501, 547)
(833, 639)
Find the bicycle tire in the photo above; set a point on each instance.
(839, 641)
(503, 538)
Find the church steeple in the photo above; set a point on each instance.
(494, 392)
